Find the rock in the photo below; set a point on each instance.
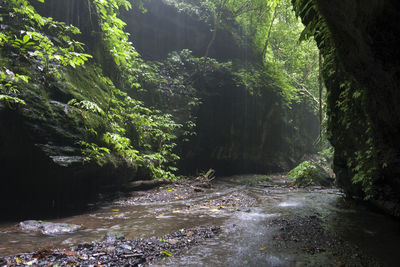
(48, 228)
(172, 241)
(111, 237)
(371, 143)
(42, 136)
(310, 173)
(198, 189)
(122, 253)
(126, 247)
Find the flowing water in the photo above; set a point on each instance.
(247, 237)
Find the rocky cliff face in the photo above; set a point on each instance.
(239, 129)
(42, 162)
(362, 75)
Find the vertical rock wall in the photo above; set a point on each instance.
(362, 74)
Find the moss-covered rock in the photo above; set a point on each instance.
(361, 70)
(42, 161)
(309, 173)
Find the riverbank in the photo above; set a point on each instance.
(115, 252)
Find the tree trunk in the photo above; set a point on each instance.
(264, 52)
(320, 94)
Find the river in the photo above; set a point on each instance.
(251, 235)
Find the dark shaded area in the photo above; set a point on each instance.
(362, 74)
(240, 132)
(42, 175)
(368, 52)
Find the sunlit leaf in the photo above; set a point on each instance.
(167, 253)
(26, 38)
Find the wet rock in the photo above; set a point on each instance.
(309, 234)
(198, 189)
(126, 247)
(122, 253)
(48, 228)
(111, 237)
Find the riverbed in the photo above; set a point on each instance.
(263, 224)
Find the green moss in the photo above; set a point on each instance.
(309, 173)
(86, 83)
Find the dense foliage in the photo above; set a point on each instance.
(274, 31)
(27, 39)
(141, 136)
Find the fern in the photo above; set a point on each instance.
(11, 100)
(87, 105)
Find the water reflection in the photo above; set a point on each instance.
(289, 204)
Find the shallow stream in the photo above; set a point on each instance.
(248, 234)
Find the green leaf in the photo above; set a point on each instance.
(167, 253)
(26, 38)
